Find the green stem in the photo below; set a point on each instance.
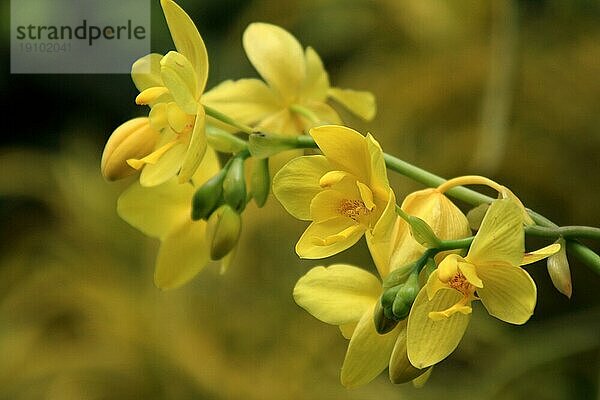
(564, 231)
(585, 255)
(228, 120)
(305, 112)
(455, 244)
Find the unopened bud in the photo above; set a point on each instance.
(265, 145)
(387, 300)
(261, 181)
(560, 273)
(223, 231)
(383, 324)
(133, 139)
(234, 185)
(206, 198)
(405, 297)
(397, 301)
(223, 141)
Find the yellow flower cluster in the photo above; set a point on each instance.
(407, 319)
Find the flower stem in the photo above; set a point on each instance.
(305, 112)
(228, 120)
(585, 255)
(564, 231)
(455, 244)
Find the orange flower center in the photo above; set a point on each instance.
(353, 209)
(460, 283)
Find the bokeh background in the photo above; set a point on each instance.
(510, 89)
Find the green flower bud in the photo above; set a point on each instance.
(265, 145)
(405, 297)
(261, 181)
(422, 232)
(400, 275)
(397, 301)
(234, 185)
(223, 141)
(387, 300)
(223, 231)
(207, 197)
(383, 324)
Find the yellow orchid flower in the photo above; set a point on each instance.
(346, 296)
(163, 212)
(172, 86)
(490, 272)
(293, 99)
(344, 192)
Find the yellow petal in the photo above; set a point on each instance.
(382, 237)
(324, 239)
(368, 352)
(379, 179)
(297, 183)
(347, 330)
(500, 240)
(196, 148)
(167, 166)
(434, 284)
(316, 82)
(333, 178)
(177, 119)
(156, 211)
(470, 272)
(182, 254)
(281, 123)
(145, 72)
(326, 205)
(339, 294)
(151, 95)
(366, 195)
(188, 41)
(158, 116)
(401, 370)
(208, 168)
(508, 293)
(344, 148)
(540, 254)
(325, 114)
(360, 103)
(428, 341)
(448, 268)
(151, 158)
(420, 381)
(246, 100)
(277, 56)
(179, 77)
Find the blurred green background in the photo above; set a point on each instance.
(510, 89)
